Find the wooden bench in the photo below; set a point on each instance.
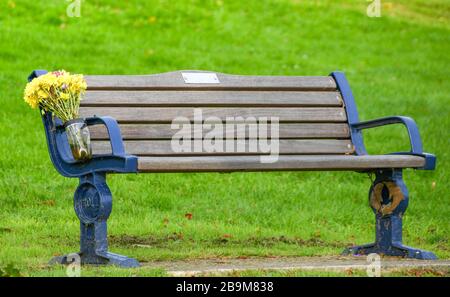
(318, 129)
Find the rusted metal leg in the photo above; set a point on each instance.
(388, 198)
(93, 204)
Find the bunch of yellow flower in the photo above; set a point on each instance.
(58, 92)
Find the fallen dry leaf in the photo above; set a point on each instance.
(49, 202)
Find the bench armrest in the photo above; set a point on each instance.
(61, 155)
(409, 123)
(413, 133)
(62, 159)
(115, 137)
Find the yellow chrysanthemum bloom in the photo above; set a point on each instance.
(42, 94)
(58, 92)
(64, 96)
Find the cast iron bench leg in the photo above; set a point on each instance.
(388, 198)
(93, 203)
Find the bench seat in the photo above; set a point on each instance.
(285, 162)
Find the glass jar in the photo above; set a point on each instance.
(79, 139)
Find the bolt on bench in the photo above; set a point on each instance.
(319, 129)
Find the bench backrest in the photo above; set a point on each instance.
(310, 109)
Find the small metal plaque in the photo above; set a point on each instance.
(200, 78)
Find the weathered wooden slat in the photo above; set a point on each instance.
(174, 80)
(285, 162)
(168, 114)
(211, 98)
(164, 131)
(164, 147)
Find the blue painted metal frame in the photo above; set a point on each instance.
(388, 230)
(356, 126)
(388, 227)
(92, 199)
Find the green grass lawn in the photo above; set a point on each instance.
(397, 65)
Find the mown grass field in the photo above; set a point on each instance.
(397, 65)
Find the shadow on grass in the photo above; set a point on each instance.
(166, 241)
